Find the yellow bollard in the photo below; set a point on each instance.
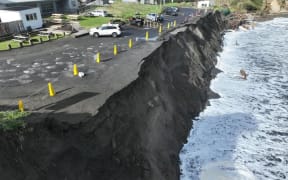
(174, 23)
(160, 29)
(75, 70)
(98, 57)
(130, 43)
(147, 36)
(21, 106)
(168, 25)
(115, 50)
(51, 89)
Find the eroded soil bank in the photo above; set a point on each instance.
(138, 132)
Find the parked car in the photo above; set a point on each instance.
(106, 30)
(117, 21)
(175, 9)
(98, 13)
(154, 17)
(172, 11)
(136, 20)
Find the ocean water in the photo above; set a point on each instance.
(244, 134)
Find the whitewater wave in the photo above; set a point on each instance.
(243, 135)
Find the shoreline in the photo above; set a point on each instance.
(269, 17)
(235, 20)
(210, 163)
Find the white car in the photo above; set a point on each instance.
(154, 17)
(98, 13)
(151, 16)
(106, 30)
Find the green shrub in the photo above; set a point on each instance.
(225, 11)
(81, 18)
(258, 3)
(248, 6)
(12, 120)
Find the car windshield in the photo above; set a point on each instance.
(174, 8)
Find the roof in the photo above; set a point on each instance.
(18, 8)
(21, 1)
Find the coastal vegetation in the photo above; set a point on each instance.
(11, 120)
(247, 5)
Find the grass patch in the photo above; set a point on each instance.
(12, 120)
(89, 22)
(181, 4)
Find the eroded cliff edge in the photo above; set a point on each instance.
(139, 131)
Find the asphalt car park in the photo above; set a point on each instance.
(25, 72)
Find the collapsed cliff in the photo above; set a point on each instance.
(139, 131)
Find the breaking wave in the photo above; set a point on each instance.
(244, 134)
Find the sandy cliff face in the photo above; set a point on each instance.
(138, 132)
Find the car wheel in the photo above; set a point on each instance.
(96, 35)
(114, 35)
(138, 24)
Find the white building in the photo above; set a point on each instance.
(47, 7)
(205, 4)
(30, 17)
(142, 1)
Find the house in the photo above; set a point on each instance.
(26, 17)
(148, 2)
(205, 4)
(142, 1)
(130, 1)
(96, 3)
(47, 7)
